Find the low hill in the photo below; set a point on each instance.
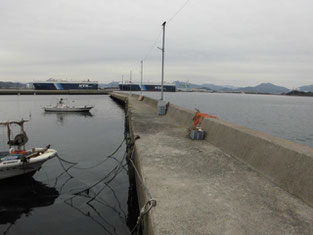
(108, 85)
(299, 93)
(264, 88)
(218, 87)
(207, 86)
(308, 88)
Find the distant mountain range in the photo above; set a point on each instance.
(266, 88)
(108, 85)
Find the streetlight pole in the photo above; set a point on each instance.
(122, 82)
(130, 82)
(163, 48)
(141, 77)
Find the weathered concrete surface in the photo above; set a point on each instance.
(287, 164)
(200, 189)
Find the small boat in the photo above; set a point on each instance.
(18, 161)
(62, 107)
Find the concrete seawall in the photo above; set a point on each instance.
(208, 187)
(286, 163)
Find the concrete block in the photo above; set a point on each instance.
(161, 107)
(197, 134)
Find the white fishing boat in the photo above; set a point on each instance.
(19, 161)
(62, 107)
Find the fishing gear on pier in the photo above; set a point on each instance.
(198, 118)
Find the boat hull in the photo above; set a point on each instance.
(65, 86)
(13, 168)
(77, 109)
(146, 87)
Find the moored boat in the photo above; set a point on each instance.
(62, 107)
(18, 161)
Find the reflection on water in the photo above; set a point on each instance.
(61, 116)
(91, 197)
(20, 195)
(92, 201)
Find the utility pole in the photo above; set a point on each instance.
(141, 77)
(122, 82)
(130, 82)
(163, 48)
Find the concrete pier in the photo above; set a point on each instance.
(236, 181)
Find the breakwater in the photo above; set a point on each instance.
(236, 181)
(53, 92)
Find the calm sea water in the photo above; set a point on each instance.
(49, 204)
(283, 116)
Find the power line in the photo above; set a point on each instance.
(153, 45)
(158, 37)
(180, 9)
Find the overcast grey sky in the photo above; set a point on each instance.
(226, 42)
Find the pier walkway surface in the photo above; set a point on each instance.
(200, 189)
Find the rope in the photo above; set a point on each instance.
(153, 45)
(140, 179)
(144, 210)
(66, 161)
(98, 164)
(66, 169)
(106, 158)
(117, 169)
(151, 201)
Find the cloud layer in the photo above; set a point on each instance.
(240, 42)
